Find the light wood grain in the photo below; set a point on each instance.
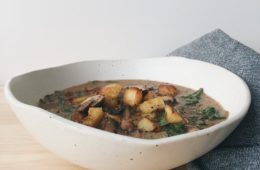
(19, 150)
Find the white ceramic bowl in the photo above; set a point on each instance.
(97, 149)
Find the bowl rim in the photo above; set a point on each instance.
(12, 100)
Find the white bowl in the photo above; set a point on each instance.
(96, 149)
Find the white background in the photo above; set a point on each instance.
(36, 34)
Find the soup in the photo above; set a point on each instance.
(137, 108)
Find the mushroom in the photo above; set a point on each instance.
(90, 102)
(167, 90)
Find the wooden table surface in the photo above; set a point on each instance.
(19, 150)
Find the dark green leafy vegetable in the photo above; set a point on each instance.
(174, 129)
(210, 113)
(163, 122)
(200, 120)
(192, 98)
(197, 121)
(170, 128)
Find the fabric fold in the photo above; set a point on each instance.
(241, 150)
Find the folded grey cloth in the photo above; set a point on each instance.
(241, 150)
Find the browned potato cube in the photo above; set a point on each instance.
(172, 116)
(111, 90)
(133, 96)
(111, 93)
(95, 115)
(167, 90)
(151, 105)
(146, 125)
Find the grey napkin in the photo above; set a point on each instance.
(241, 150)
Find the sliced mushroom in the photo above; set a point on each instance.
(90, 102)
(167, 90)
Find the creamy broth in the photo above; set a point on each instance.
(137, 108)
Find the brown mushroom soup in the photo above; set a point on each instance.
(137, 108)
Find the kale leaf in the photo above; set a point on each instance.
(174, 129)
(210, 113)
(163, 122)
(192, 98)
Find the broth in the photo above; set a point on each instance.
(137, 108)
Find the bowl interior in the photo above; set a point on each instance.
(225, 87)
